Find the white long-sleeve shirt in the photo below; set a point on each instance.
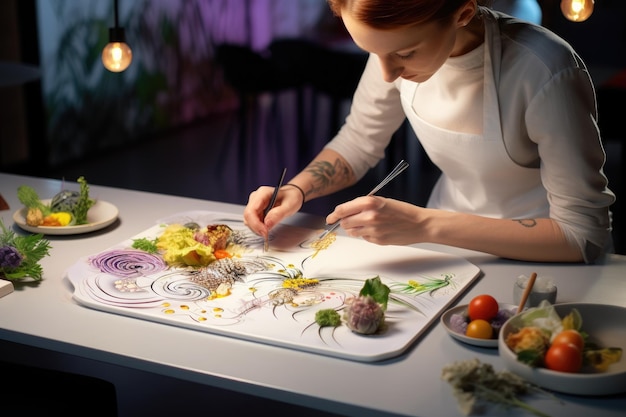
(547, 114)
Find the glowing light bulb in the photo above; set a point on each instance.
(577, 10)
(116, 55)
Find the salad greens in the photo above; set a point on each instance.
(546, 318)
(541, 324)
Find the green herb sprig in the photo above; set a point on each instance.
(20, 255)
(474, 382)
(29, 197)
(146, 245)
(84, 203)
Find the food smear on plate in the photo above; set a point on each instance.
(482, 319)
(67, 208)
(560, 344)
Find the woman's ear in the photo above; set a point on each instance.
(466, 13)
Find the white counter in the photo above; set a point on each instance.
(152, 364)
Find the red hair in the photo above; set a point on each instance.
(390, 14)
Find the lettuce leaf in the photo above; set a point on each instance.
(375, 288)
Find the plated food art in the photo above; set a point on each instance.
(237, 289)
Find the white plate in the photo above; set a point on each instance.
(445, 320)
(605, 324)
(99, 216)
(252, 315)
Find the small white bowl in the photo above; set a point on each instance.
(462, 310)
(605, 324)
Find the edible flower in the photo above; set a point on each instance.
(365, 314)
(20, 255)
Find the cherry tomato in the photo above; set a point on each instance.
(483, 307)
(569, 336)
(480, 329)
(564, 357)
(221, 254)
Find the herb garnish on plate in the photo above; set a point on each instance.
(20, 255)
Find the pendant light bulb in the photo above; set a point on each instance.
(577, 10)
(116, 55)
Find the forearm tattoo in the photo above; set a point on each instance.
(325, 174)
(527, 222)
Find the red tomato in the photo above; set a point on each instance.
(564, 357)
(569, 336)
(483, 307)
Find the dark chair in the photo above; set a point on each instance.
(298, 66)
(326, 72)
(254, 75)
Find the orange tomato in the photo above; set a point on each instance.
(483, 307)
(480, 329)
(564, 357)
(570, 336)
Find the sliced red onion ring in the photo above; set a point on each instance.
(128, 263)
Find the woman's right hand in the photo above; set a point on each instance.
(289, 200)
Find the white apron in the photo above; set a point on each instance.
(478, 176)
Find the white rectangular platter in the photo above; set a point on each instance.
(260, 308)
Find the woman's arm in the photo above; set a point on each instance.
(326, 174)
(536, 240)
(391, 222)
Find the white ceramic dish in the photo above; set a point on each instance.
(99, 216)
(490, 343)
(605, 324)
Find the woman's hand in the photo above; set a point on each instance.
(288, 201)
(380, 220)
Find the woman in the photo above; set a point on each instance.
(504, 108)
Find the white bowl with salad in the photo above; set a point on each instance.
(531, 345)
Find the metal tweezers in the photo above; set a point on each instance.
(266, 244)
(402, 165)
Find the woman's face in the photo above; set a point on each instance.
(413, 53)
